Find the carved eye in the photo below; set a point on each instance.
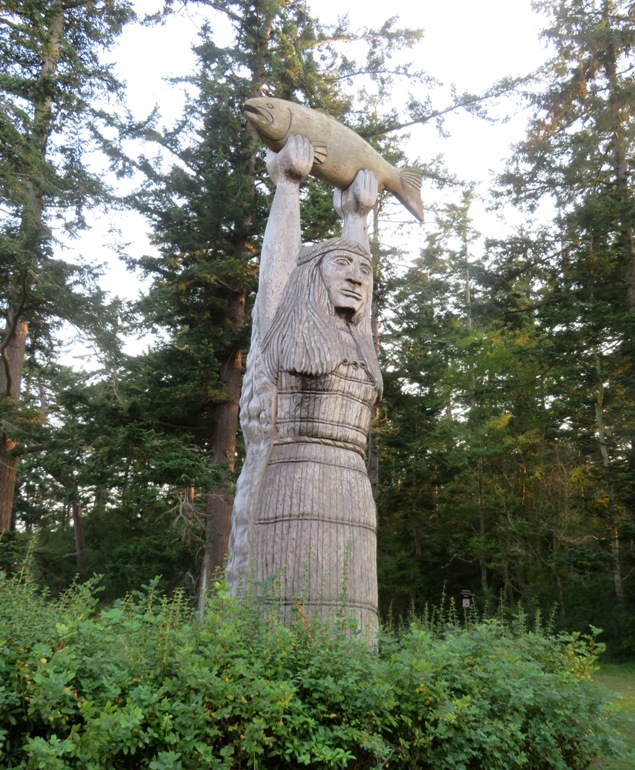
(271, 106)
(365, 270)
(342, 261)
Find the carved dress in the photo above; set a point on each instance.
(315, 502)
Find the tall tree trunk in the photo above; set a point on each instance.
(560, 590)
(11, 363)
(218, 511)
(623, 177)
(482, 557)
(619, 122)
(220, 499)
(508, 591)
(32, 232)
(373, 455)
(32, 227)
(78, 528)
(463, 230)
(612, 515)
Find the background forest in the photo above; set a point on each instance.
(503, 452)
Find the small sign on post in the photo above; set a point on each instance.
(466, 596)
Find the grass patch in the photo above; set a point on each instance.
(620, 680)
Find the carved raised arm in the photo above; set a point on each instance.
(353, 205)
(282, 240)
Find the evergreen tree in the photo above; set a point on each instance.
(51, 72)
(105, 488)
(209, 212)
(576, 154)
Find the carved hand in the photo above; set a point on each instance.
(293, 162)
(359, 198)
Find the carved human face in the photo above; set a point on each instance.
(347, 276)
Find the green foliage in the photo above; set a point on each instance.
(511, 469)
(147, 683)
(136, 484)
(52, 72)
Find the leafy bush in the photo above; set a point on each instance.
(148, 684)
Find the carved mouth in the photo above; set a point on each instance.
(267, 121)
(252, 112)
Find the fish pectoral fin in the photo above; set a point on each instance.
(320, 153)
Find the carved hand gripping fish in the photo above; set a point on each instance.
(339, 153)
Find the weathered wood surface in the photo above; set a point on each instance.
(339, 153)
(304, 514)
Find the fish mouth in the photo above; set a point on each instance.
(256, 113)
(263, 123)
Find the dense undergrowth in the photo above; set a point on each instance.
(147, 683)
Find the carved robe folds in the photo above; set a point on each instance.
(315, 523)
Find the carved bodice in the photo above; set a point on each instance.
(334, 408)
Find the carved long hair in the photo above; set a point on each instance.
(303, 336)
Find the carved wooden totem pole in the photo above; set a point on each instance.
(304, 513)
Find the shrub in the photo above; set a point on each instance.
(148, 684)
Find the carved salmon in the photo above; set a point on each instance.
(339, 153)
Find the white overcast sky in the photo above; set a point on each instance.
(468, 43)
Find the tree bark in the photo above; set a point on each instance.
(11, 363)
(78, 528)
(32, 232)
(612, 515)
(622, 177)
(222, 452)
(482, 530)
(373, 454)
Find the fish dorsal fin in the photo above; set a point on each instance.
(411, 191)
(320, 153)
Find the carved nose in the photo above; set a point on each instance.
(354, 274)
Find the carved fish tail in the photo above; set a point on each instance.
(410, 194)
